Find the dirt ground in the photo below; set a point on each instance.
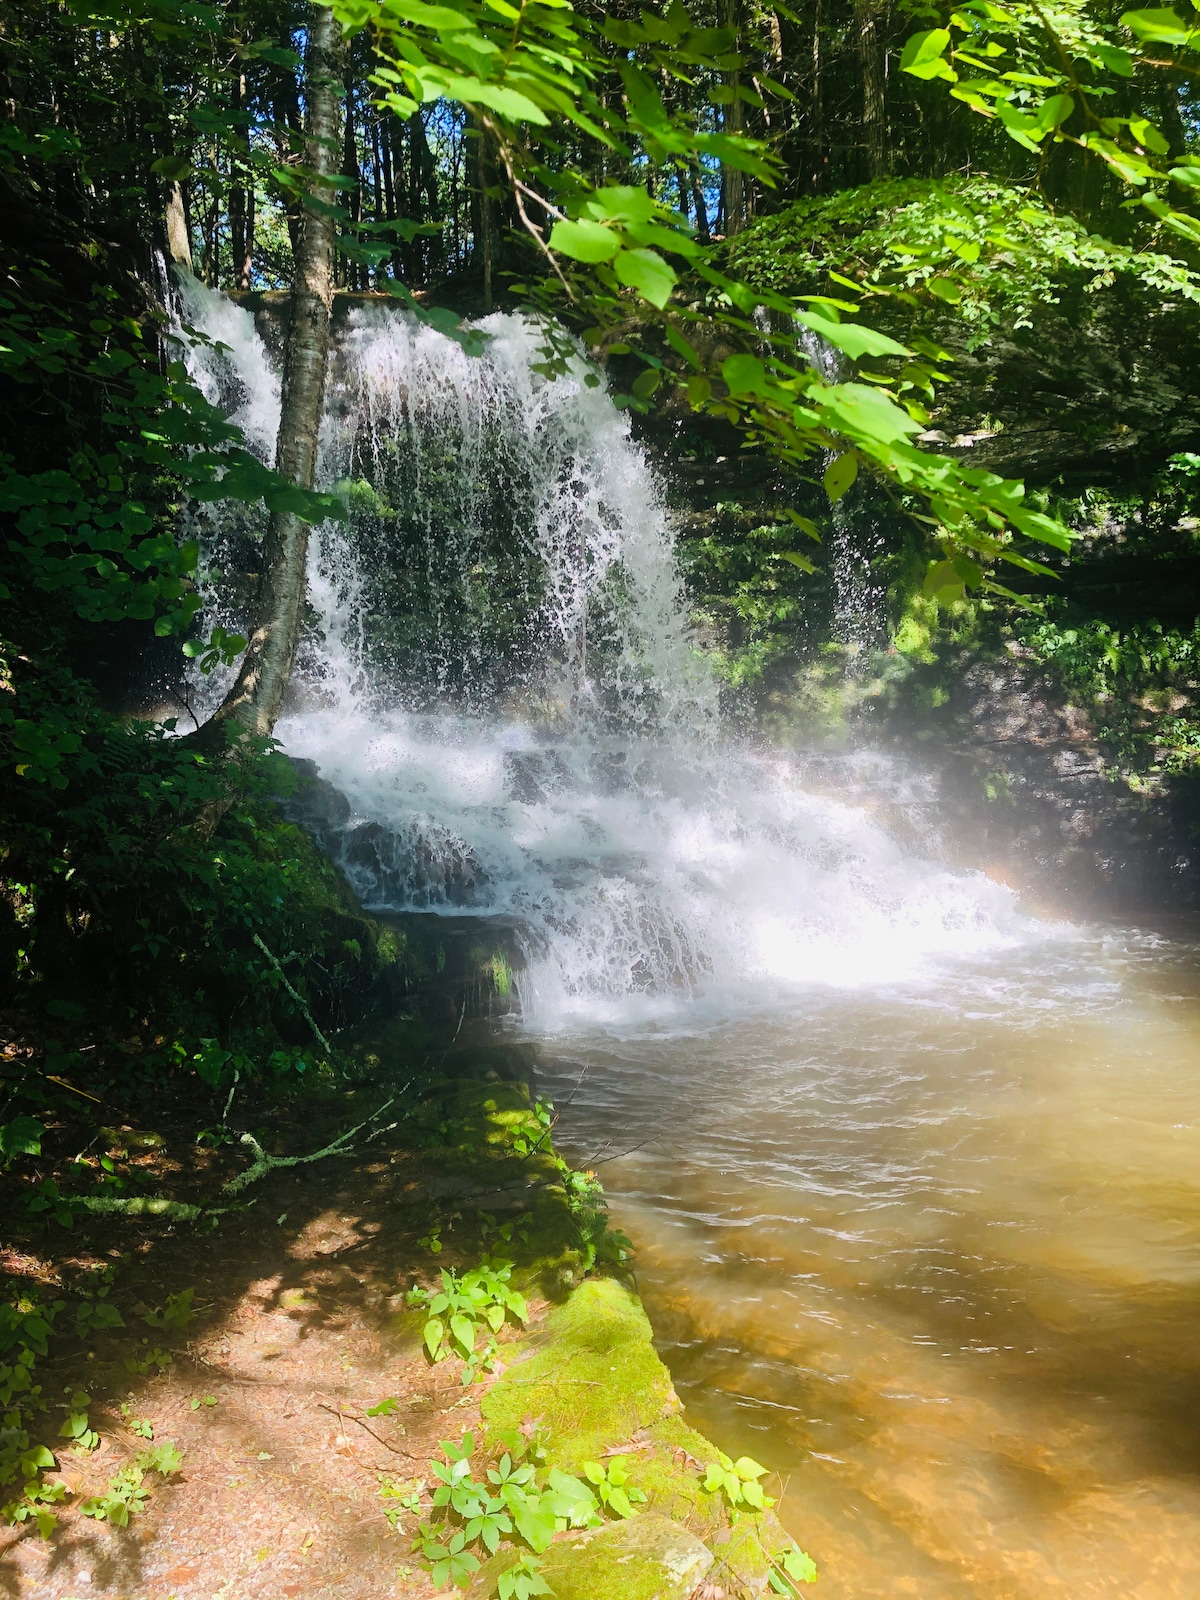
(300, 1329)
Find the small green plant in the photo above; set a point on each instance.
(793, 1567)
(94, 1314)
(522, 1580)
(400, 1495)
(536, 1129)
(526, 1443)
(20, 1137)
(46, 1196)
(175, 1317)
(738, 1482)
(505, 1231)
(25, 1330)
(76, 1426)
(451, 1562)
(468, 1514)
(126, 1494)
(465, 1303)
(385, 1408)
(138, 1425)
(155, 1360)
(612, 1485)
(36, 1498)
(432, 1242)
(201, 1400)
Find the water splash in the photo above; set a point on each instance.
(501, 682)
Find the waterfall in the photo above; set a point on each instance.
(500, 680)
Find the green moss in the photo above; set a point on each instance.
(589, 1371)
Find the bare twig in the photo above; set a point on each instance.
(263, 1163)
(343, 1416)
(297, 997)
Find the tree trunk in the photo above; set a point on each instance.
(872, 64)
(237, 196)
(178, 242)
(734, 208)
(255, 700)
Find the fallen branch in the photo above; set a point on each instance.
(263, 1163)
(144, 1205)
(296, 996)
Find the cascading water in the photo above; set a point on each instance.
(912, 1179)
(500, 680)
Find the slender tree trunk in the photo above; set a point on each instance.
(237, 198)
(355, 274)
(819, 154)
(872, 64)
(245, 267)
(255, 700)
(734, 198)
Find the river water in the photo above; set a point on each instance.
(931, 1251)
(914, 1175)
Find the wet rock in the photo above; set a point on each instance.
(316, 806)
(531, 776)
(421, 864)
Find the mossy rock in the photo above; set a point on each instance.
(589, 1372)
(647, 1558)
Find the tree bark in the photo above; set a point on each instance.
(178, 242)
(734, 198)
(255, 700)
(872, 64)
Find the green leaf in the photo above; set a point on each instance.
(943, 583)
(681, 346)
(1116, 60)
(647, 273)
(839, 475)
(20, 1137)
(618, 1501)
(1158, 26)
(945, 289)
(584, 241)
(1056, 110)
(923, 55)
(851, 337)
(805, 524)
(510, 103)
(646, 383)
(495, 1317)
(434, 1334)
(462, 1330)
(175, 169)
(797, 560)
(1148, 136)
(799, 1565)
(744, 375)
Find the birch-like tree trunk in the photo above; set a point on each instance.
(256, 698)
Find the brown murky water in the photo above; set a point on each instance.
(932, 1253)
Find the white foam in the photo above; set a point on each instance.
(651, 873)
